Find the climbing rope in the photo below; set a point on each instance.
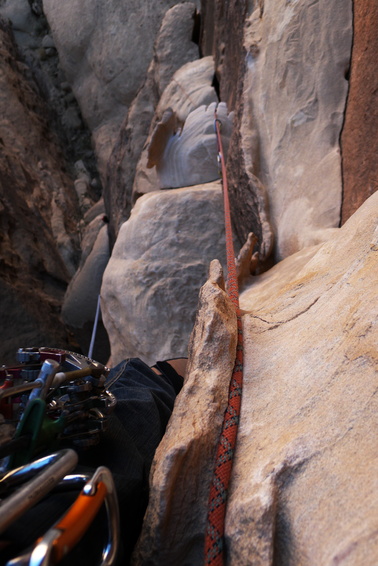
(214, 537)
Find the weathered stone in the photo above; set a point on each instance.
(38, 216)
(359, 140)
(184, 448)
(160, 260)
(174, 44)
(303, 488)
(80, 301)
(188, 155)
(294, 99)
(173, 48)
(104, 59)
(190, 88)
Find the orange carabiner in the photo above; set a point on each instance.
(76, 521)
(68, 531)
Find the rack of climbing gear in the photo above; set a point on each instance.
(214, 536)
(55, 400)
(55, 397)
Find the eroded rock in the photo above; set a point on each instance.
(186, 154)
(38, 213)
(173, 48)
(303, 483)
(104, 58)
(190, 88)
(294, 100)
(178, 464)
(160, 259)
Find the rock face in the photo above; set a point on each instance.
(290, 97)
(158, 264)
(80, 300)
(128, 176)
(184, 155)
(38, 217)
(104, 58)
(294, 98)
(303, 488)
(359, 137)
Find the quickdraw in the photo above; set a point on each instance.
(214, 536)
(57, 397)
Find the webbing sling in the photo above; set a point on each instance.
(214, 537)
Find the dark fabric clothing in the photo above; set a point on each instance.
(144, 404)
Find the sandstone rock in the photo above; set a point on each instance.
(173, 48)
(294, 98)
(188, 156)
(38, 216)
(104, 58)
(303, 488)
(174, 44)
(190, 88)
(359, 136)
(80, 300)
(160, 259)
(183, 449)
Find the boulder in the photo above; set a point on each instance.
(104, 58)
(186, 155)
(173, 48)
(160, 260)
(190, 88)
(303, 487)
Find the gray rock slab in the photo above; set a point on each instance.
(158, 264)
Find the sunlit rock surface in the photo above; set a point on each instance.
(294, 98)
(303, 488)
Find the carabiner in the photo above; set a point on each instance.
(65, 534)
(50, 469)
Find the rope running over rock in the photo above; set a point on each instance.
(214, 537)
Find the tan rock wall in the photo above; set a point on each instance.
(303, 488)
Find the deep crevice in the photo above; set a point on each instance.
(216, 85)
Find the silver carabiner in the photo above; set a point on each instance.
(50, 470)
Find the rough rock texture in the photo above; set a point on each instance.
(184, 155)
(359, 140)
(173, 48)
(190, 87)
(161, 257)
(185, 447)
(289, 89)
(104, 58)
(294, 100)
(38, 219)
(304, 481)
(80, 301)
